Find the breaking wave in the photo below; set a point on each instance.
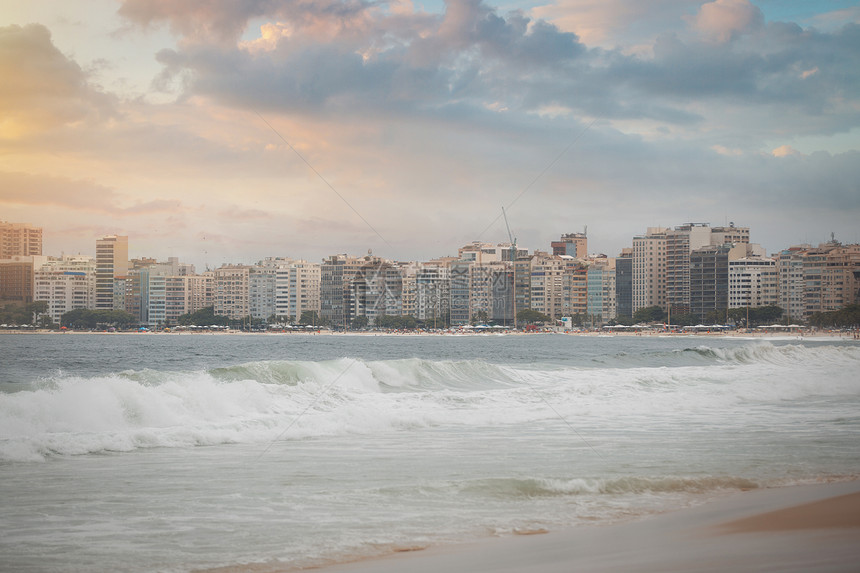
(258, 402)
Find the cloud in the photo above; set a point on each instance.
(43, 191)
(41, 87)
(721, 20)
(612, 24)
(784, 151)
(464, 65)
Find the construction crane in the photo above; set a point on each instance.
(513, 241)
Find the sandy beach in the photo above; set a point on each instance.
(792, 529)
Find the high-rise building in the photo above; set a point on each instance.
(261, 292)
(624, 284)
(231, 291)
(17, 277)
(789, 267)
(66, 284)
(547, 294)
(375, 290)
(680, 242)
(336, 273)
(709, 281)
(709, 276)
(433, 292)
(19, 239)
(649, 269)
(460, 305)
(830, 275)
(111, 264)
(601, 289)
(753, 282)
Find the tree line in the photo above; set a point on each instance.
(846, 317)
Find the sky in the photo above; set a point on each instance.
(220, 131)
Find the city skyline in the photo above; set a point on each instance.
(225, 132)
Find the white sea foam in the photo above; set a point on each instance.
(333, 447)
(267, 400)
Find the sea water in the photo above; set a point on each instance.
(182, 452)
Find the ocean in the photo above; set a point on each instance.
(175, 453)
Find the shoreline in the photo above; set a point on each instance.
(831, 336)
(791, 529)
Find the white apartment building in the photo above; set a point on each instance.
(432, 292)
(649, 269)
(297, 287)
(261, 292)
(65, 284)
(753, 282)
(789, 268)
(547, 293)
(409, 279)
(231, 291)
(304, 295)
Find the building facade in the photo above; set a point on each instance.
(753, 282)
(649, 269)
(65, 284)
(111, 264)
(19, 240)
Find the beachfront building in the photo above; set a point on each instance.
(111, 264)
(790, 284)
(574, 288)
(19, 240)
(709, 277)
(753, 282)
(490, 292)
(624, 284)
(297, 287)
(17, 276)
(65, 284)
(336, 273)
(231, 285)
(649, 268)
(547, 292)
(261, 292)
(680, 242)
(433, 292)
(460, 292)
(146, 295)
(830, 275)
(409, 287)
(523, 283)
(375, 290)
(304, 288)
(177, 298)
(709, 281)
(601, 301)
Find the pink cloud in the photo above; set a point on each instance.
(721, 20)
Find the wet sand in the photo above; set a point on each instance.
(791, 530)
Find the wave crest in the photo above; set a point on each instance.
(553, 487)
